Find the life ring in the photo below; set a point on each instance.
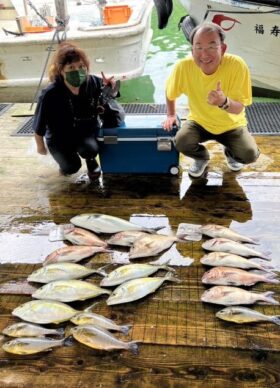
(164, 9)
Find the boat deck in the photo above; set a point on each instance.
(181, 342)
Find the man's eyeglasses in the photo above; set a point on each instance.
(210, 49)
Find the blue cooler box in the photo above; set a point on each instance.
(140, 146)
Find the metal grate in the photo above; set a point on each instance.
(263, 117)
(25, 128)
(4, 108)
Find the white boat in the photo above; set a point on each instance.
(116, 49)
(252, 31)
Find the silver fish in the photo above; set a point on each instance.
(31, 345)
(98, 338)
(61, 271)
(25, 329)
(131, 271)
(125, 238)
(225, 276)
(44, 311)
(213, 230)
(239, 314)
(226, 245)
(69, 291)
(224, 259)
(151, 245)
(79, 236)
(72, 254)
(137, 288)
(228, 296)
(103, 223)
(89, 318)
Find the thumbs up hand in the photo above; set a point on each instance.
(217, 96)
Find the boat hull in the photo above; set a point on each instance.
(251, 32)
(116, 50)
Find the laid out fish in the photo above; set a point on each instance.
(151, 245)
(69, 291)
(89, 318)
(79, 236)
(228, 296)
(25, 329)
(225, 276)
(137, 288)
(226, 245)
(215, 231)
(131, 271)
(224, 259)
(61, 271)
(72, 254)
(239, 314)
(125, 238)
(103, 223)
(31, 345)
(44, 312)
(99, 338)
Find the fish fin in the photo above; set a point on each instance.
(133, 347)
(268, 298)
(101, 271)
(91, 307)
(68, 341)
(169, 276)
(125, 329)
(276, 319)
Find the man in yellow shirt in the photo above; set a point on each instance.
(218, 87)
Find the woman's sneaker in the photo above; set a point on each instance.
(198, 167)
(233, 165)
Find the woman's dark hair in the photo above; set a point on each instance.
(208, 27)
(66, 53)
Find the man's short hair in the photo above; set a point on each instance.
(208, 27)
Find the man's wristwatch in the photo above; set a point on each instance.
(225, 105)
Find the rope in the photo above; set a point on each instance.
(60, 28)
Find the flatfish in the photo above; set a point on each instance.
(138, 288)
(226, 276)
(61, 271)
(226, 245)
(240, 314)
(131, 271)
(73, 254)
(99, 338)
(69, 291)
(79, 236)
(103, 223)
(224, 259)
(228, 296)
(151, 245)
(213, 230)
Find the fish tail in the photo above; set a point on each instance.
(101, 270)
(125, 329)
(91, 307)
(169, 276)
(60, 331)
(68, 341)
(276, 319)
(265, 256)
(268, 298)
(133, 347)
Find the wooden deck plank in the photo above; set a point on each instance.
(182, 342)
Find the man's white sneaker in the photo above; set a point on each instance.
(233, 165)
(198, 167)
